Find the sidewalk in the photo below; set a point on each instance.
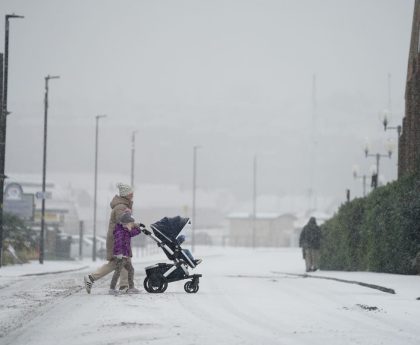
(405, 286)
(34, 268)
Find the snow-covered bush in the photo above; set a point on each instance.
(20, 237)
(378, 233)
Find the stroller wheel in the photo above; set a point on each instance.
(190, 287)
(163, 286)
(155, 284)
(146, 285)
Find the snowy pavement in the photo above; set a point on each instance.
(245, 297)
(33, 268)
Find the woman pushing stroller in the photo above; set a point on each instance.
(120, 204)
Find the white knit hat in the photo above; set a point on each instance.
(124, 189)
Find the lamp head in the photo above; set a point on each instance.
(390, 147)
(48, 77)
(13, 16)
(385, 116)
(355, 171)
(385, 122)
(366, 150)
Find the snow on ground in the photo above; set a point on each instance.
(35, 268)
(245, 297)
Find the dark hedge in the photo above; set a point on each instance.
(379, 233)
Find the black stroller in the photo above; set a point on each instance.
(165, 233)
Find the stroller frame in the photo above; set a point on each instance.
(158, 276)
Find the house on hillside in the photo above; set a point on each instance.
(267, 230)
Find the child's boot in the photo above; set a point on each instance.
(132, 291)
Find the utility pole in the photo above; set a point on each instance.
(81, 230)
(377, 156)
(347, 195)
(6, 59)
(4, 75)
(363, 177)
(44, 170)
(364, 185)
(389, 93)
(385, 120)
(195, 148)
(313, 147)
(254, 200)
(133, 153)
(2, 156)
(97, 117)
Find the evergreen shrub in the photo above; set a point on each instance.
(379, 233)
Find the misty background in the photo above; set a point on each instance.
(235, 77)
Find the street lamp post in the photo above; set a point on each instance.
(2, 154)
(97, 117)
(6, 59)
(4, 75)
(386, 127)
(81, 230)
(254, 200)
(133, 151)
(44, 170)
(378, 157)
(397, 128)
(363, 178)
(385, 121)
(195, 148)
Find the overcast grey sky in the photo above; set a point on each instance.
(232, 76)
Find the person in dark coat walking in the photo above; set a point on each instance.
(310, 241)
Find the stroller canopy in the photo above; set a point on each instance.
(169, 228)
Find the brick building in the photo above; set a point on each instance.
(409, 145)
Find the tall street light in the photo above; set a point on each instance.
(385, 122)
(96, 188)
(6, 59)
(2, 154)
(386, 114)
(363, 177)
(4, 77)
(133, 153)
(378, 157)
(44, 170)
(195, 148)
(398, 128)
(253, 216)
(254, 200)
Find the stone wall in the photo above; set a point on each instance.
(409, 144)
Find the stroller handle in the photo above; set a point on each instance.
(156, 239)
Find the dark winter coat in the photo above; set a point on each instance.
(122, 240)
(119, 205)
(310, 236)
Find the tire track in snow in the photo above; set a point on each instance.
(32, 299)
(317, 301)
(223, 315)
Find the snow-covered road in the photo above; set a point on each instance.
(243, 299)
